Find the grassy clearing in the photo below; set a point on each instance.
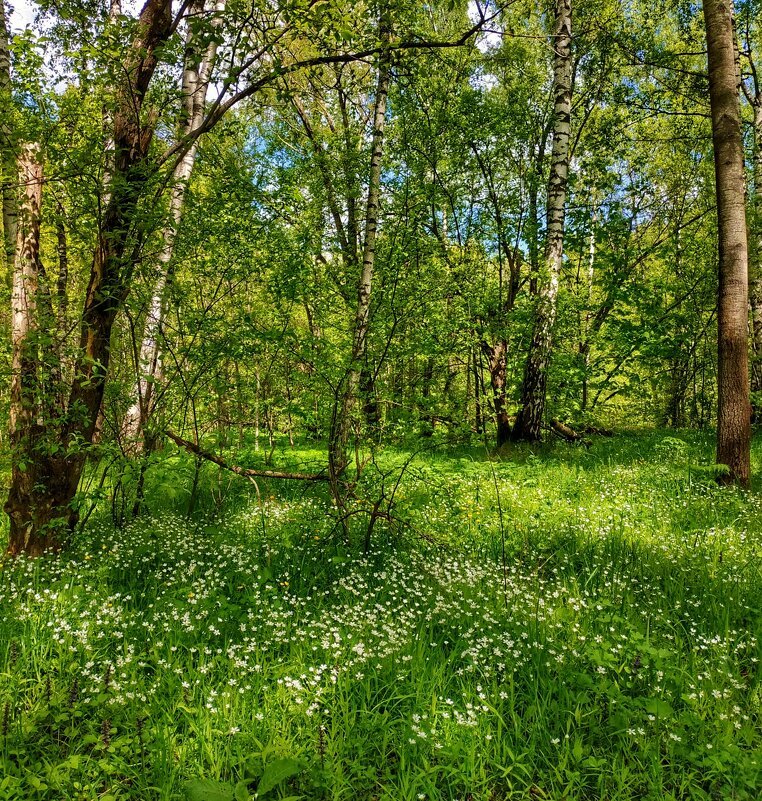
(594, 635)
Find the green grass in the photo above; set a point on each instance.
(600, 641)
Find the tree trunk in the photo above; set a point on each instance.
(755, 265)
(195, 82)
(49, 455)
(529, 419)
(585, 344)
(345, 402)
(25, 431)
(733, 407)
(497, 362)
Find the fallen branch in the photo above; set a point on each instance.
(243, 471)
(564, 431)
(601, 432)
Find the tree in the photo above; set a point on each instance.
(529, 419)
(733, 406)
(196, 75)
(263, 48)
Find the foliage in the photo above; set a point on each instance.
(602, 640)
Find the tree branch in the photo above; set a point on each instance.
(242, 471)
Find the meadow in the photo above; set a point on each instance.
(563, 623)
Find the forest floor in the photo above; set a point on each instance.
(568, 624)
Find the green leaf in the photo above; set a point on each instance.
(277, 772)
(208, 790)
(242, 791)
(655, 706)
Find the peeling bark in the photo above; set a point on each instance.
(356, 382)
(528, 423)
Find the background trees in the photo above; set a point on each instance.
(329, 220)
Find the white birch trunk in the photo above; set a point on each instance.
(345, 404)
(529, 420)
(195, 84)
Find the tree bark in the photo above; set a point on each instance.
(733, 406)
(195, 83)
(529, 419)
(755, 264)
(341, 419)
(40, 499)
(497, 362)
(27, 434)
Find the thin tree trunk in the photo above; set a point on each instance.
(584, 347)
(62, 281)
(195, 83)
(533, 223)
(733, 407)
(478, 394)
(346, 400)
(529, 419)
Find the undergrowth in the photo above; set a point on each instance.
(565, 623)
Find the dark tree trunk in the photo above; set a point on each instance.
(497, 362)
(48, 459)
(733, 408)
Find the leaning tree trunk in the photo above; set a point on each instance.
(344, 405)
(41, 511)
(195, 83)
(529, 419)
(733, 407)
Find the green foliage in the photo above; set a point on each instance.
(602, 640)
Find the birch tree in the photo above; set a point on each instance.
(48, 458)
(197, 69)
(347, 395)
(529, 419)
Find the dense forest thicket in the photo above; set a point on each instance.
(360, 223)
(379, 381)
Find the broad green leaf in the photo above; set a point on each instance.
(655, 706)
(208, 790)
(277, 772)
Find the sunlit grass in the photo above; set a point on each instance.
(601, 641)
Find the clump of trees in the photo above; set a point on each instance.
(364, 221)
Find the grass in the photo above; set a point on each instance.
(594, 635)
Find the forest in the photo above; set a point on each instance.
(378, 400)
